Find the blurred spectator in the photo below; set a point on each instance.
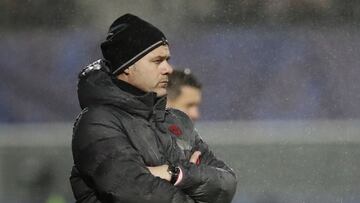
(184, 93)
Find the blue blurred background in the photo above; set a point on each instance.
(281, 91)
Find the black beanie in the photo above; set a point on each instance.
(129, 39)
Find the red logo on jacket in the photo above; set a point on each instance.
(174, 129)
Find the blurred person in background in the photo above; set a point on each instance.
(184, 93)
(127, 147)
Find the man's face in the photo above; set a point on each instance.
(188, 101)
(150, 73)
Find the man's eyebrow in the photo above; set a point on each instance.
(167, 57)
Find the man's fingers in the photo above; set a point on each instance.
(195, 156)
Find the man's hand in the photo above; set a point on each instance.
(195, 157)
(161, 171)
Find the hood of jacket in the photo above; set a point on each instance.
(96, 87)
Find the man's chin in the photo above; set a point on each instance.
(160, 92)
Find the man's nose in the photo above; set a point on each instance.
(167, 69)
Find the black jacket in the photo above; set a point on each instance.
(118, 134)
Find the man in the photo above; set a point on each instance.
(184, 93)
(126, 146)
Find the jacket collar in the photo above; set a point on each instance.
(156, 104)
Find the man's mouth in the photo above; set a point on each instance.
(164, 83)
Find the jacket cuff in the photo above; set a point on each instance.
(180, 177)
(191, 176)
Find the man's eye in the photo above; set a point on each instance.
(158, 61)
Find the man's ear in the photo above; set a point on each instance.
(127, 70)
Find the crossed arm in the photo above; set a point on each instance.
(114, 172)
(161, 171)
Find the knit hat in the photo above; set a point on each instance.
(129, 39)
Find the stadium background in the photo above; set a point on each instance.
(281, 90)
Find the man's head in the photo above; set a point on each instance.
(184, 93)
(138, 53)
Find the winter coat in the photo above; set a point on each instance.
(118, 134)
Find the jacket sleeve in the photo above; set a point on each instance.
(210, 181)
(113, 169)
(82, 192)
